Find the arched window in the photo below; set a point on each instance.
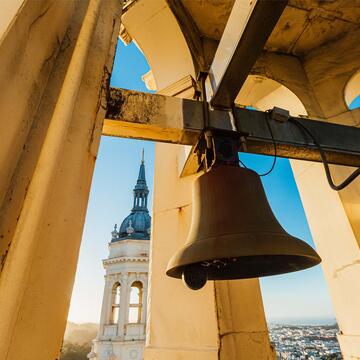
(115, 303)
(135, 305)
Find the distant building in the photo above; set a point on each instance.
(123, 315)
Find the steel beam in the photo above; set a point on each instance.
(249, 26)
(340, 142)
(153, 117)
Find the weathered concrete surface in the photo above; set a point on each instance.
(182, 323)
(329, 68)
(155, 29)
(37, 313)
(153, 117)
(8, 12)
(242, 334)
(25, 68)
(336, 242)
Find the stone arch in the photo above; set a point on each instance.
(136, 302)
(167, 51)
(263, 93)
(289, 72)
(115, 302)
(352, 88)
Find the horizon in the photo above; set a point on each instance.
(296, 321)
(270, 321)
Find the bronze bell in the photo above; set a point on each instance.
(234, 233)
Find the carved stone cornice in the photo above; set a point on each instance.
(118, 260)
(184, 88)
(149, 80)
(124, 36)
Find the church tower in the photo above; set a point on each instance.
(123, 316)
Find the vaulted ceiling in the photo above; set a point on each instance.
(313, 48)
(304, 25)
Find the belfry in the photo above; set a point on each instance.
(295, 61)
(123, 315)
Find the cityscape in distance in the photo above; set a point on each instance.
(291, 342)
(300, 342)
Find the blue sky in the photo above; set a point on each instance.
(111, 198)
(300, 297)
(355, 103)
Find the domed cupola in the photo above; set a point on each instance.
(136, 225)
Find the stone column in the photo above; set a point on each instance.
(334, 217)
(243, 333)
(335, 240)
(42, 216)
(181, 323)
(224, 320)
(106, 306)
(124, 294)
(144, 302)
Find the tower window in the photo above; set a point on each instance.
(115, 303)
(135, 305)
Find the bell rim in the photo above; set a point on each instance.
(263, 240)
(177, 272)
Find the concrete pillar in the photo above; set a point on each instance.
(334, 217)
(25, 74)
(224, 320)
(338, 247)
(243, 331)
(39, 267)
(181, 323)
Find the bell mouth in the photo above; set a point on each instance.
(243, 256)
(248, 267)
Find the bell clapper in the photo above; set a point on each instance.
(194, 276)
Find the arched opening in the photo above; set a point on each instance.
(111, 199)
(263, 93)
(135, 305)
(115, 303)
(168, 56)
(352, 92)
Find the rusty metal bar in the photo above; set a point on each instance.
(153, 117)
(341, 143)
